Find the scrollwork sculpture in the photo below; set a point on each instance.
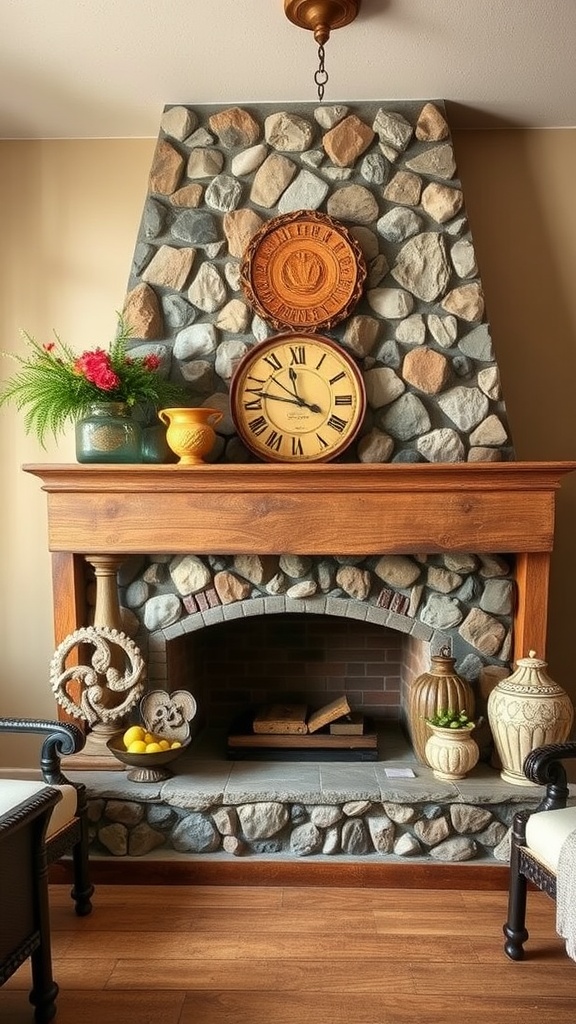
(106, 692)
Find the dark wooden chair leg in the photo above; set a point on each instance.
(515, 927)
(82, 888)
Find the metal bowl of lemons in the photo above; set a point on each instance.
(146, 753)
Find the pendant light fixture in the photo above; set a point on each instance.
(320, 17)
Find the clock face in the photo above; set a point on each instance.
(297, 398)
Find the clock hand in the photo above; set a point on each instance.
(294, 379)
(291, 401)
(301, 401)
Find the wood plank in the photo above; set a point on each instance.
(281, 719)
(328, 713)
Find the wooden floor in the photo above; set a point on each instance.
(294, 955)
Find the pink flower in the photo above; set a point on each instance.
(49, 346)
(95, 367)
(151, 361)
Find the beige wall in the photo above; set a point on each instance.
(69, 213)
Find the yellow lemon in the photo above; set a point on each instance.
(175, 744)
(164, 744)
(137, 747)
(149, 737)
(135, 732)
(153, 748)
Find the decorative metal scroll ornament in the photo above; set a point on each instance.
(106, 693)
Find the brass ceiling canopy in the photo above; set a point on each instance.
(320, 17)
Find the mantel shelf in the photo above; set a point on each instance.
(322, 509)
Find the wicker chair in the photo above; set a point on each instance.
(537, 838)
(67, 831)
(25, 809)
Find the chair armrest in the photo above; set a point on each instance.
(61, 738)
(543, 765)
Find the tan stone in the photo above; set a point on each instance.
(431, 125)
(404, 188)
(189, 196)
(347, 141)
(441, 202)
(271, 179)
(258, 569)
(169, 267)
(239, 227)
(235, 127)
(166, 169)
(466, 302)
(230, 588)
(354, 582)
(142, 313)
(425, 370)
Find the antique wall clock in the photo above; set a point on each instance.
(297, 398)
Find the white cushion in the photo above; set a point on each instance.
(62, 813)
(546, 831)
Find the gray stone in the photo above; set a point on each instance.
(392, 129)
(196, 228)
(383, 386)
(382, 832)
(136, 594)
(325, 815)
(458, 848)
(464, 258)
(207, 291)
(295, 566)
(390, 303)
(162, 611)
(306, 840)
(306, 192)
(399, 224)
(438, 162)
(198, 341)
(441, 445)
(498, 597)
(288, 133)
(223, 193)
(489, 382)
(422, 266)
(406, 418)
(354, 837)
(468, 818)
(204, 163)
(412, 330)
(331, 843)
(444, 329)
(493, 835)
(374, 168)
(441, 612)
(407, 846)
(178, 122)
(328, 116)
(466, 407)
(195, 833)
(228, 355)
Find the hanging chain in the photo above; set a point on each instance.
(321, 75)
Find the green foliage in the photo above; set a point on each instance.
(451, 719)
(54, 384)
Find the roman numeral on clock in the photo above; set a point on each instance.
(336, 423)
(274, 441)
(254, 405)
(297, 448)
(337, 377)
(258, 425)
(273, 361)
(298, 355)
(343, 400)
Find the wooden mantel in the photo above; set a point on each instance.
(322, 509)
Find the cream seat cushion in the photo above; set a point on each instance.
(15, 781)
(546, 832)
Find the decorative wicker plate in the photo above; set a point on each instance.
(303, 270)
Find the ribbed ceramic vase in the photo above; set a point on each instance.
(439, 689)
(527, 710)
(451, 753)
(190, 432)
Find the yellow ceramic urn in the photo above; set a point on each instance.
(190, 432)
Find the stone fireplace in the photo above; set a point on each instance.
(424, 529)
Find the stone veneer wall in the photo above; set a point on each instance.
(460, 600)
(387, 172)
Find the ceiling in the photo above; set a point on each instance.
(106, 68)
